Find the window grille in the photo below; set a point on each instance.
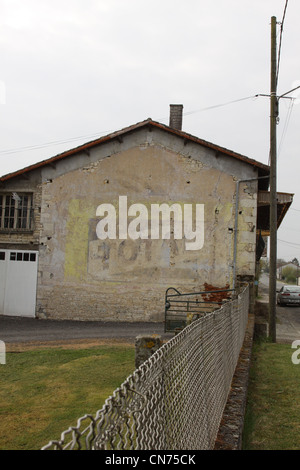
(16, 211)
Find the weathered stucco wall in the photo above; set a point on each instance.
(83, 277)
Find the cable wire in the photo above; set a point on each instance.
(289, 243)
(287, 121)
(48, 144)
(280, 41)
(65, 141)
(219, 105)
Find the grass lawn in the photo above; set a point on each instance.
(273, 410)
(43, 392)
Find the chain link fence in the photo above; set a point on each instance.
(175, 399)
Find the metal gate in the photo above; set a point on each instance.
(18, 279)
(182, 309)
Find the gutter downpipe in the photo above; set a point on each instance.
(236, 220)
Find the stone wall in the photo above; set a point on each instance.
(83, 277)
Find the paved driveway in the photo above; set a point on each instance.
(288, 324)
(27, 330)
(288, 318)
(21, 330)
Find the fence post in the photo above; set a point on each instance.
(145, 346)
(2, 353)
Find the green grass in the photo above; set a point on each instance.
(273, 410)
(44, 392)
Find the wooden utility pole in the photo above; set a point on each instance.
(273, 184)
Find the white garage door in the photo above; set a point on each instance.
(18, 278)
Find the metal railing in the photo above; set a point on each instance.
(182, 309)
(176, 398)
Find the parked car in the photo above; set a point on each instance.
(289, 295)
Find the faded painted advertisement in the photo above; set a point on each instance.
(119, 231)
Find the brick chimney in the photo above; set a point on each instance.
(176, 116)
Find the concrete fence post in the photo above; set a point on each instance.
(2, 353)
(145, 346)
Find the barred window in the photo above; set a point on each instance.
(16, 211)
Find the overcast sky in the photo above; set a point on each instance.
(73, 70)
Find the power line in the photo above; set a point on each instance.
(289, 243)
(287, 121)
(220, 105)
(280, 40)
(48, 144)
(65, 141)
(188, 113)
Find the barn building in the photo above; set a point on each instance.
(100, 232)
